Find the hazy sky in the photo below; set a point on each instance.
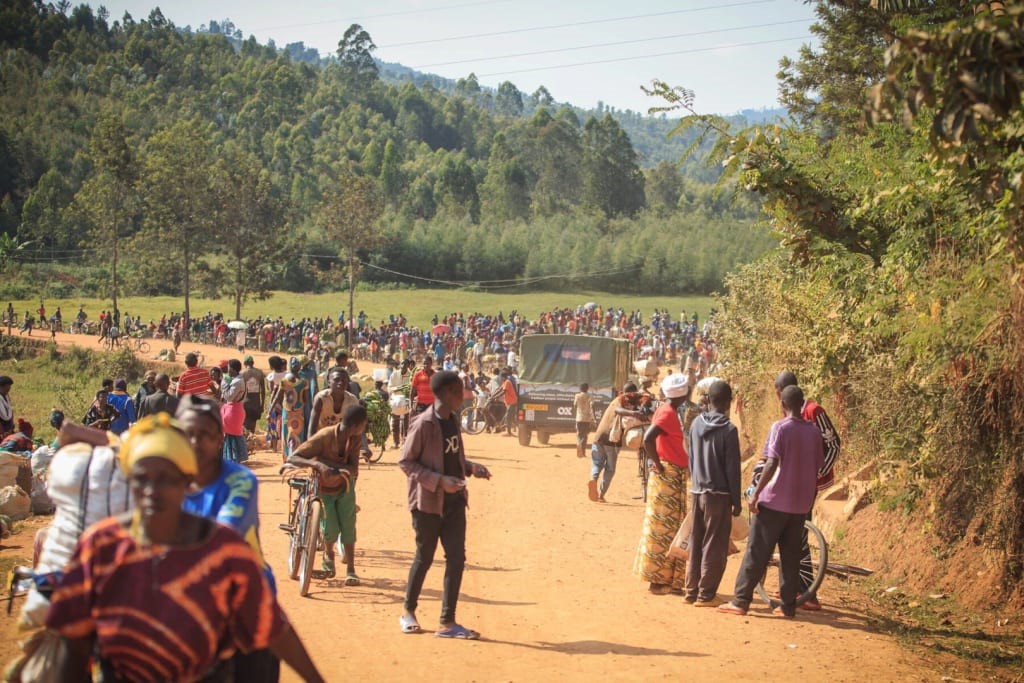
(726, 51)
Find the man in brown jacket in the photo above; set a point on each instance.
(434, 459)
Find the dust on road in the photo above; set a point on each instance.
(549, 584)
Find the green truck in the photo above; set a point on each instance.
(552, 368)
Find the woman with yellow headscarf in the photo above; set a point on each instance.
(148, 588)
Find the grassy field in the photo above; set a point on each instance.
(46, 381)
(418, 305)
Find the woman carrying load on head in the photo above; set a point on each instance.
(162, 594)
(666, 492)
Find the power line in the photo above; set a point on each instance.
(577, 23)
(621, 42)
(647, 56)
(400, 13)
(485, 284)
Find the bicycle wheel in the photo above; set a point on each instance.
(473, 421)
(310, 545)
(295, 540)
(377, 453)
(142, 346)
(811, 574)
(645, 471)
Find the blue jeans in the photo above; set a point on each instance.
(603, 457)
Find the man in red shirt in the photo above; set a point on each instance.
(422, 396)
(510, 396)
(195, 380)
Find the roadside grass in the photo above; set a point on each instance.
(45, 379)
(992, 644)
(418, 305)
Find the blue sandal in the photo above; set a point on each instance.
(458, 632)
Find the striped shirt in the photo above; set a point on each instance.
(160, 612)
(812, 412)
(194, 381)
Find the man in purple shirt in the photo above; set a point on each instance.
(780, 503)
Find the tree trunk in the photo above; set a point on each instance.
(113, 267)
(238, 289)
(351, 301)
(186, 255)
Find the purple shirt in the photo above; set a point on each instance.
(797, 446)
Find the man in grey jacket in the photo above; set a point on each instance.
(714, 448)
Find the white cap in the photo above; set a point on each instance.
(675, 386)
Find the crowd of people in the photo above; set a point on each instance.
(475, 339)
(693, 494)
(184, 444)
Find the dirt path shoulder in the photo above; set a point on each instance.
(550, 586)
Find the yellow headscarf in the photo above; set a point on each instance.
(158, 436)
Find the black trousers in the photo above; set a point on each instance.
(769, 528)
(450, 529)
(709, 544)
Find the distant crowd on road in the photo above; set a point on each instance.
(476, 339)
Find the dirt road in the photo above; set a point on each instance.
(549, 584)
(550, 587)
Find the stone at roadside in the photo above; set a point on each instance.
(14, 503)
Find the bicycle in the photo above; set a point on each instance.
(138, 344)
(303, 527)
(645, 471)
(811, 574)
(488, 415)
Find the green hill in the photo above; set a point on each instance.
(207, 158)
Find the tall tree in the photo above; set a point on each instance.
(178, 208)
(826, 86)
(509, 100)
(456, 188)
(541, 97)
(663, 187)
(504, 194)
(553, 155)
(249, 225)
(355, 58)
(105, 202)
(349, 214)
(612, 181)
(391, 173)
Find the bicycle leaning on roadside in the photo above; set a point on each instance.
(813, 569)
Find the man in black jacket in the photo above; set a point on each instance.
(714, 448)
(160, 401)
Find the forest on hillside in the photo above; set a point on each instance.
(160, 160)
(898, 297)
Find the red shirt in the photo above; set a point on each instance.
(421, 387)
(194, 381)
(670, 442)
(509, 389)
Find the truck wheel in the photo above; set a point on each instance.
(524, 435)
(543, 438)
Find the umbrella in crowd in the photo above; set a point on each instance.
(440, 329)
(238, 325)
